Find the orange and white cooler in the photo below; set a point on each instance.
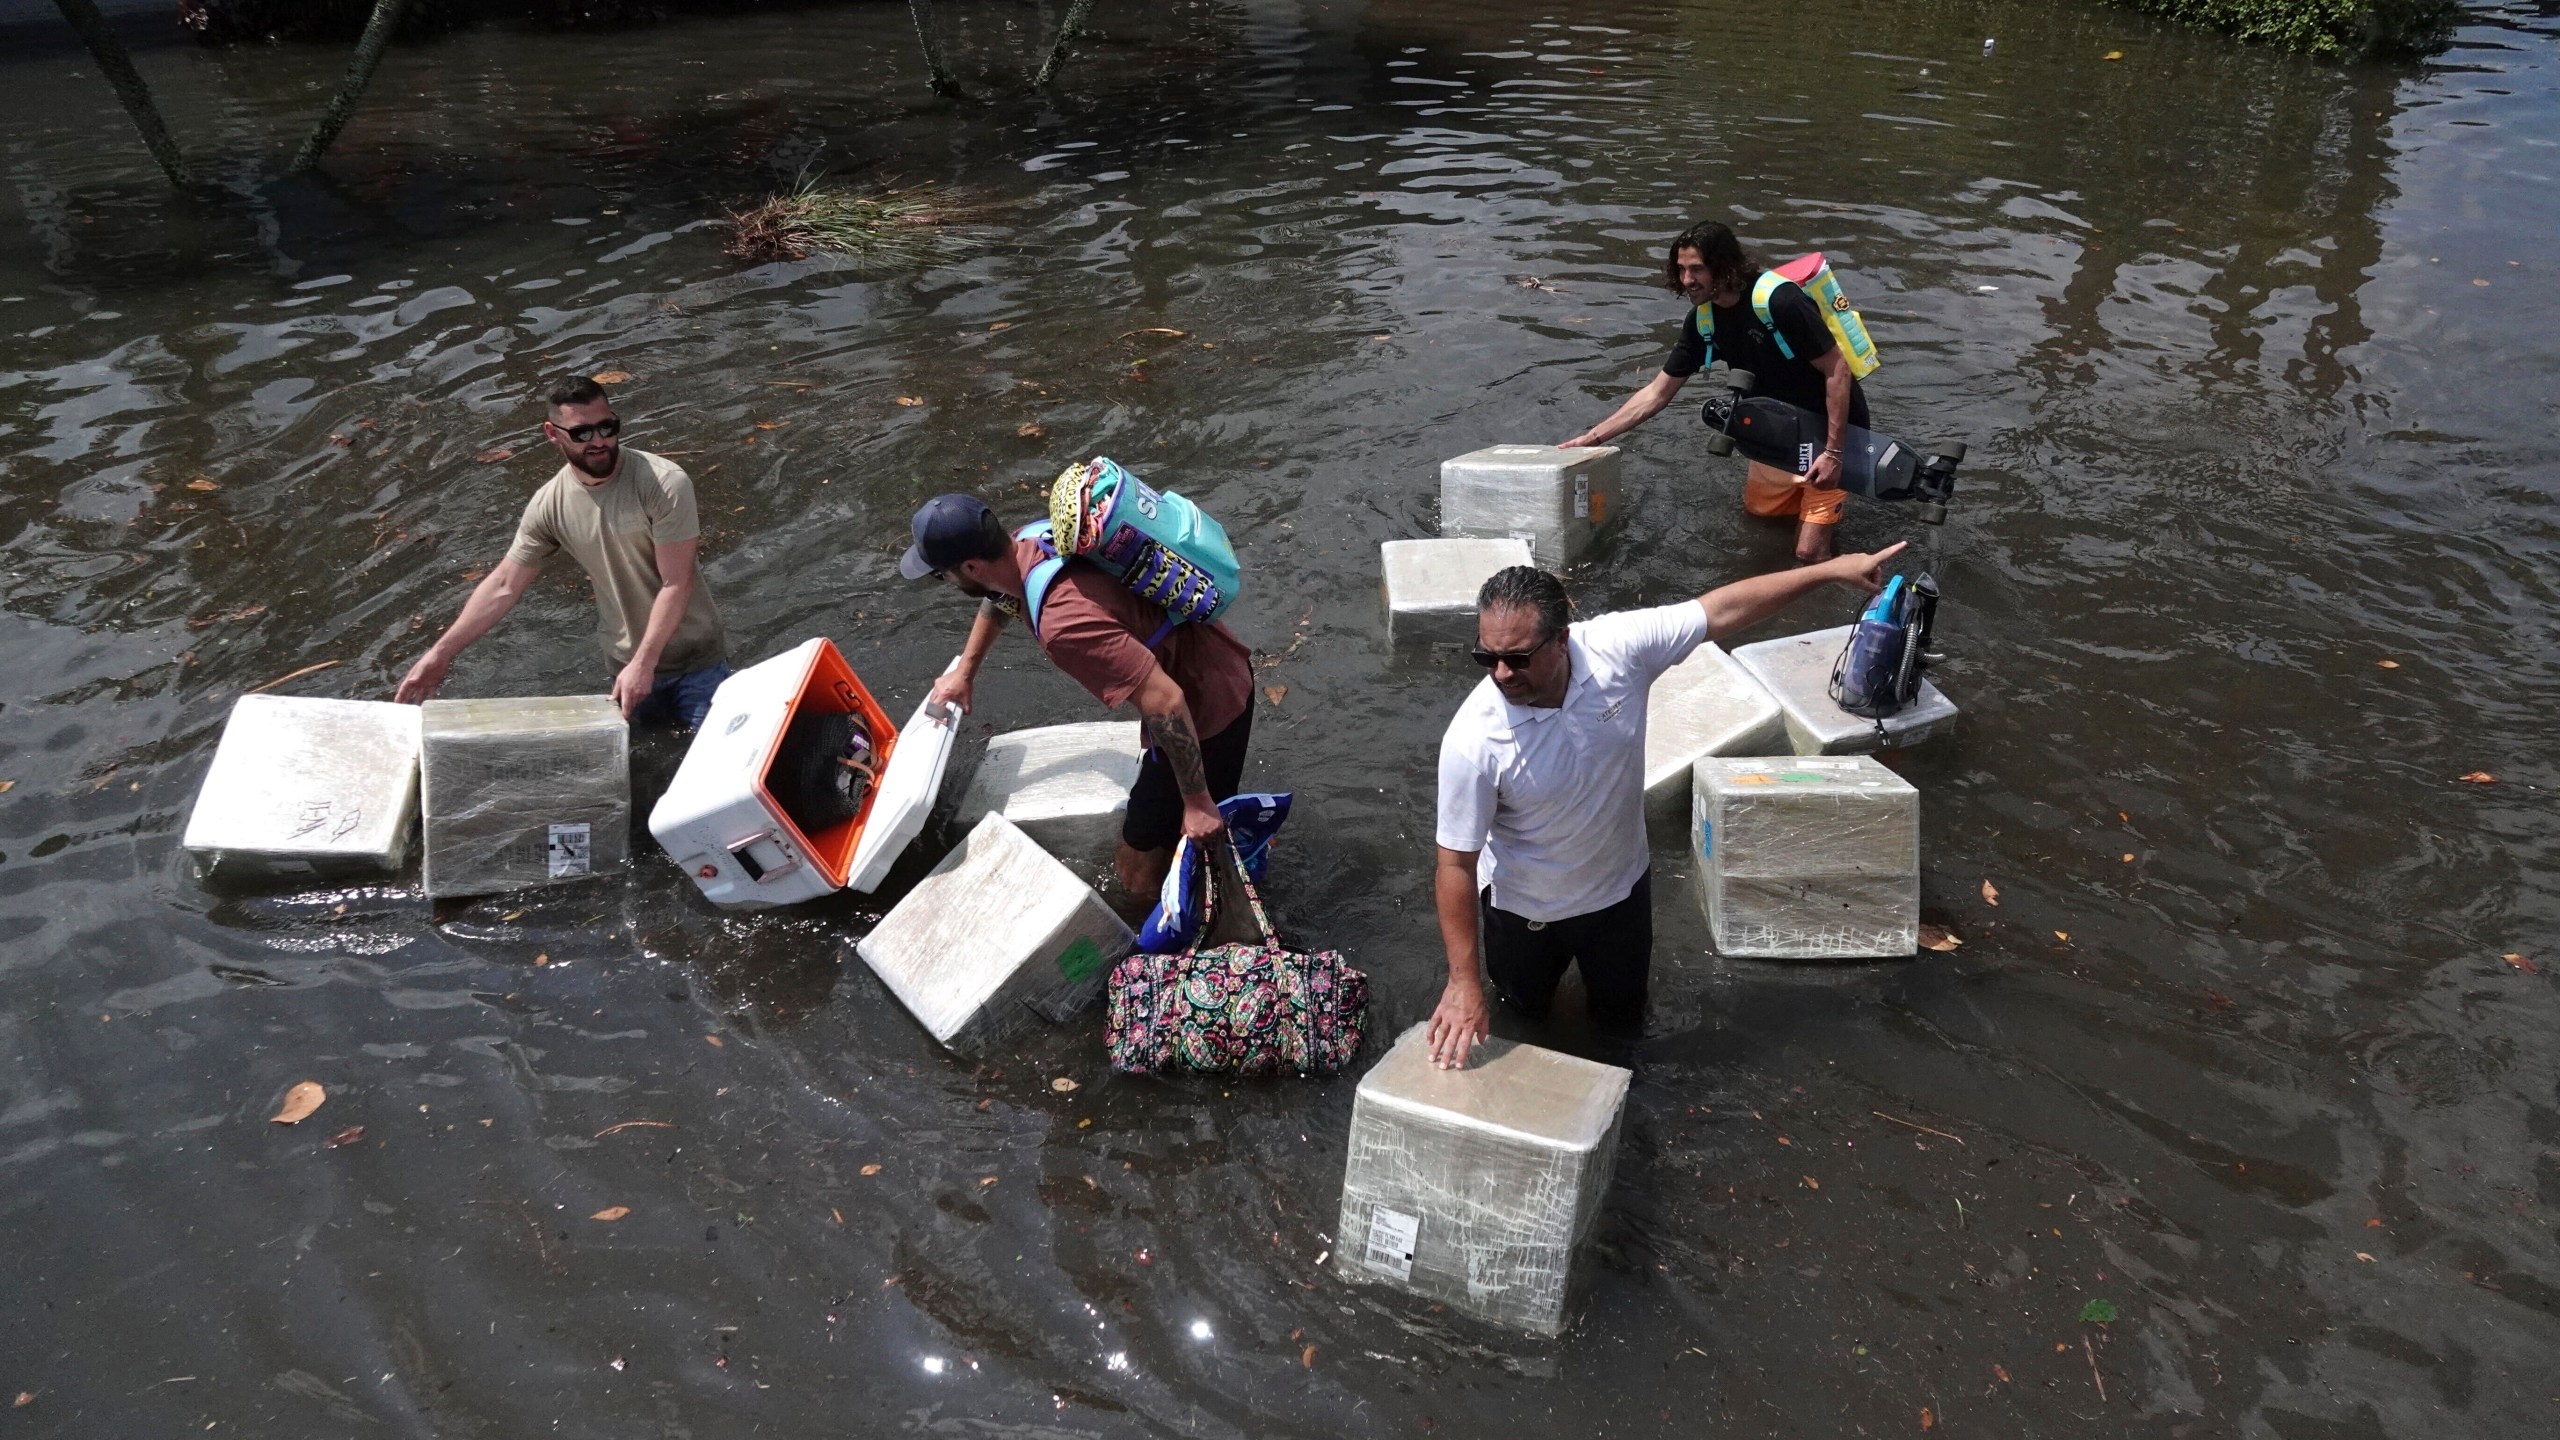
(722, 823)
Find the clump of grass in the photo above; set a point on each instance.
(877, 226)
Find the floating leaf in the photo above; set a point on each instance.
(2002, 1372)
(999, 325)
(1168, 332)
(1063, 1085)
(1275, 693)
(203, 482)
(2519, 962)
(2128, 857)
(348, 1136)
(1032, 430)
(986, 1180)
(1307, 1358)
(299, 1102)
(1990, 893)
(1938, 937)
(7, 785)
(342, 441)
(2061, 934)
(611, 1213)
(2114, 55)
(2098, 1312)
(716, 1042)
(2364, 1257)
(492, 457)
(871, 1169)
(769, 424)
(910, 401)
(2387, 664)
(25, 1399)
(611, 377)
(1812, 1184)
(1928, 1421)
(2479, 777)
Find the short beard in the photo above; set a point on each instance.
(972, 588)
(612, 463)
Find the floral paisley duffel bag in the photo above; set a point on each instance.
(1237, 1009)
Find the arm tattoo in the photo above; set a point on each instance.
(1181, 750)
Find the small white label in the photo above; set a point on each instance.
(1391, 1236)
(1581, 497)
(1889, 452)
(573, 850)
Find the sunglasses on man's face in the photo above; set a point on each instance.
(1516, 659)
(608, 427)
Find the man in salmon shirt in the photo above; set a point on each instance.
(1194, 689)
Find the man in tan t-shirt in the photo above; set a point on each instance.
(627, 517)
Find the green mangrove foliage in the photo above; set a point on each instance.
(2334, 29)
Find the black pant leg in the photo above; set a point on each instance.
(1524, 963)
(1615, 949)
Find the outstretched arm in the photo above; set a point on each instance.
(1640, 407)
(490, 601)
(958, 686)
(1748, 602)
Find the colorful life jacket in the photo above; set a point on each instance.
(1813, 274)
(1161, 546)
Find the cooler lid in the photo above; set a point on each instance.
(908, 789)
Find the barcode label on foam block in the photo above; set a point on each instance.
(1391, 1236)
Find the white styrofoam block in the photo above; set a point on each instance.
(1558, 500)
(998, 934)
(1705, 705)
(1474, 1187)
(523, 792)
(1430, 585)
(1066, 786)
(307, 787)
(1807, 857)
(1797, 671)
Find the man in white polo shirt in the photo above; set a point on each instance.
(1542, 844)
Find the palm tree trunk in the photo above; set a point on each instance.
(937, 73)
(368, 58)
(117, 63)
(1072, 26)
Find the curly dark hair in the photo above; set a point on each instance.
(1716, 245)
(1526, 587)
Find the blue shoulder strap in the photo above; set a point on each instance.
(1035, 584)
(1761, 289)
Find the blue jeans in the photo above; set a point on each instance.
(682, 700)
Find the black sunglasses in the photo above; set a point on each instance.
(1517, 660)
(608, 427)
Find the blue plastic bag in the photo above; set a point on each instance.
(1182, 907)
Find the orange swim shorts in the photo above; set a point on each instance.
(1771, 493)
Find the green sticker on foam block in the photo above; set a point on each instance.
(1803, 777)
(1078, 961)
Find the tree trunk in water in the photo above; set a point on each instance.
(937, 74)
(113, 59)
(369, 48)
(1073, 25)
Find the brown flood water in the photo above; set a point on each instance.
(2256, 358)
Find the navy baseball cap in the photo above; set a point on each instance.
(949, 529)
